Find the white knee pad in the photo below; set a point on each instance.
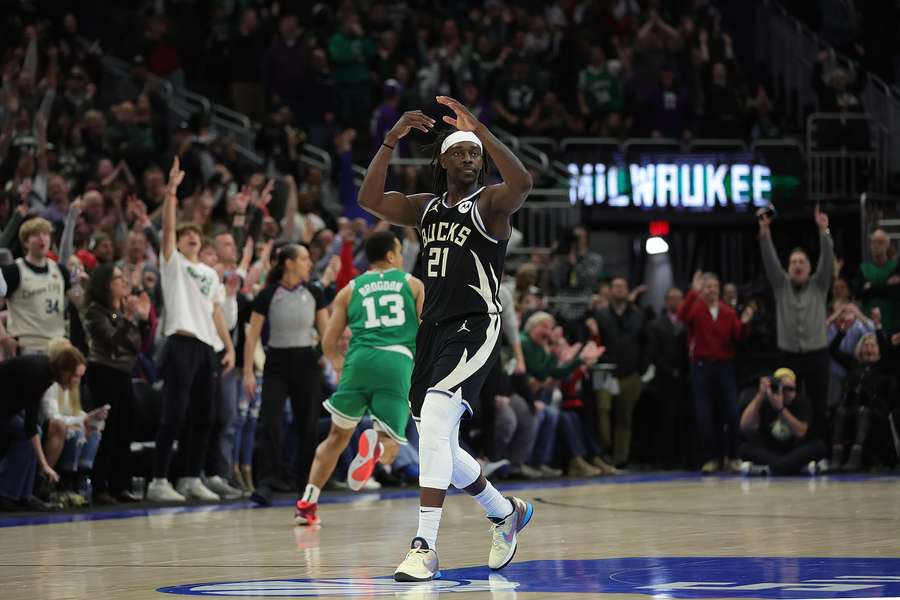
(438, 425)
(465, 468)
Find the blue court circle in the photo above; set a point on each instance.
(674, 577)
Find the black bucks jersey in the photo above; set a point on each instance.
(461, 262)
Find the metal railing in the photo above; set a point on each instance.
(791, 50)
(542, 217)
(845, 156)
(182, 103)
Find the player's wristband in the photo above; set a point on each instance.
(387, 146)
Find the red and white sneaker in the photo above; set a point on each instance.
(306, 513)
(370, 450)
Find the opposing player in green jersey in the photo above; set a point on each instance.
(382, 308)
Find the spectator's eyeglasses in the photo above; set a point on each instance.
(785, 388)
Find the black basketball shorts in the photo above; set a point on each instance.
(454, 355)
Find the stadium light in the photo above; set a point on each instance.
(656, 245)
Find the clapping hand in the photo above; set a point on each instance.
(697, 281)
(592, 353)
(567, 353)
(747, 315)
(232, 284)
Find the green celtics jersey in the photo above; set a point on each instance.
(382, 312)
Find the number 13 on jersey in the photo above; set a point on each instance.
(393, 303)
(437, 261)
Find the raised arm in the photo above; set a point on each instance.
(824, 272)
(501, 200)
(394, 207)
(774, 273)
(170, 209)
(67, 243)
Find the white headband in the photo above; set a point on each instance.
(460, 136)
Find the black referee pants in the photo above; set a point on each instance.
(289, 373)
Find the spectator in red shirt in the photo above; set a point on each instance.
(713, 327)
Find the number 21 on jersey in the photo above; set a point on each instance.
(394, 305)
(437, 261)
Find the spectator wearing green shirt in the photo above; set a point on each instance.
(545, 369)
(351, 52)
(878, 283)
(600, 92)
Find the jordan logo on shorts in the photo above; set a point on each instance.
(463, 327)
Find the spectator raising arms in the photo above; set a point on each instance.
(800, 303)
(713, 328)
(195, 330)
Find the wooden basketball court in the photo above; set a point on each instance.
(679, 536)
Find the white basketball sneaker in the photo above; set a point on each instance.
(160, 490)
(505, 533)
(193, 489)
(220, 487)
(420, 564)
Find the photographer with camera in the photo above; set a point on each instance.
(775, 424)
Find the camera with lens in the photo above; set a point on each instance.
(774, 385)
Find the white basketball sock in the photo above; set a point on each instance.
(429, 522)
(493, 502)
(311, 494)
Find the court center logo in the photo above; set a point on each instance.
(768, 578)
(348, 588)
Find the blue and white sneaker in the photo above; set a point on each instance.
(505, 533)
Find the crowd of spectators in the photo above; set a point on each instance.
(105, 349)
(612, 68)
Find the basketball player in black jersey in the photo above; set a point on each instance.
(464, 227)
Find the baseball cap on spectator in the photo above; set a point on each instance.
(785, 372)
(87, 259)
